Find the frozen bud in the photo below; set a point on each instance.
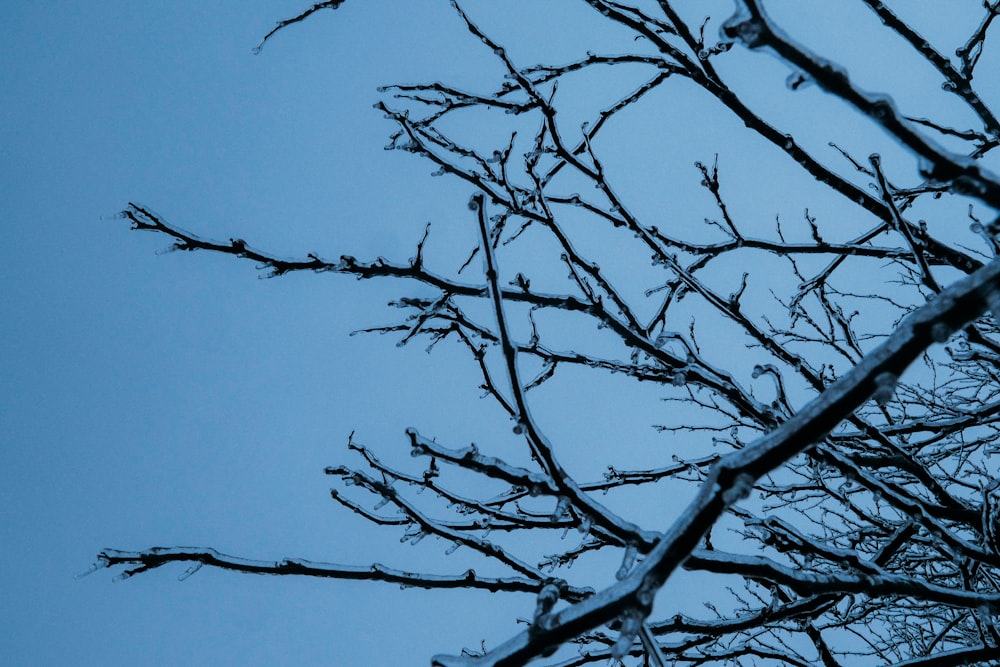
(751, 32)
(739, 490)
(993, 303)
(881, 109)
(797, 80)
(885, 387)
(562, 507)
(628, 560)
(547, 598)
(647, 591)
(968, 185)
(940, 332)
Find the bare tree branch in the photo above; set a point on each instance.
(843, 496)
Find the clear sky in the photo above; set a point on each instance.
(151, 398)
(175, 399)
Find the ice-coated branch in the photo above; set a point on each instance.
(733, 477)
(142, 218)
(471, 459)
(327, 4)
(700, 374)
(962, 656)
(965, 176)
(814, 583)
(149, 559)
(916, 246)
(541, 449)
(488, 514)
(862, 513)
(959, 83)
(781, 139)
(430, 526)
(970, 52)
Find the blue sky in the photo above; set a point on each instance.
(175, 399)
(154, 398)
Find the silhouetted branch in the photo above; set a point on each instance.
(142, 561)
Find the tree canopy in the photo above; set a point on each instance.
(825, 448)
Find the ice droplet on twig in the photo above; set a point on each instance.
(99, 564)
(797, 80)
(413, 538)
(188, 572)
